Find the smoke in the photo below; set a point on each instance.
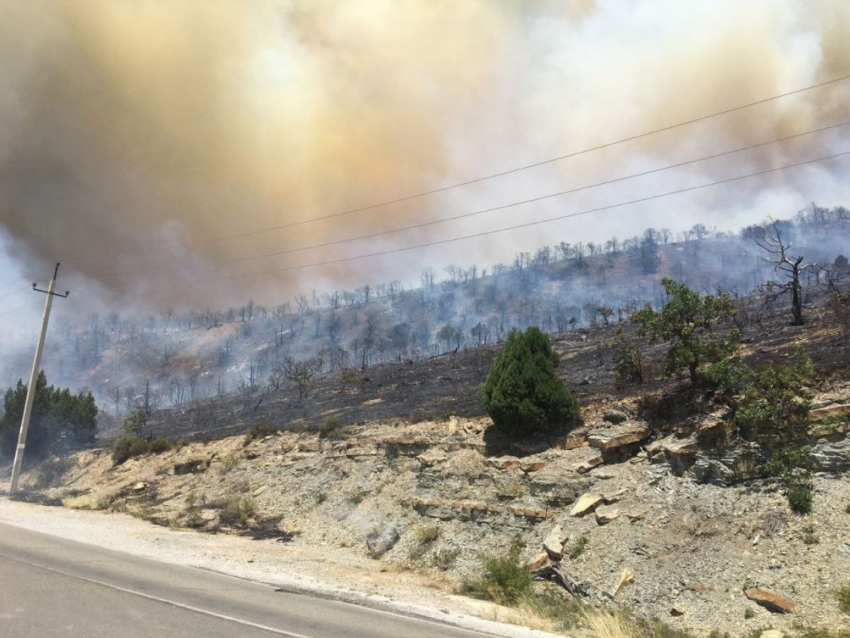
(135, 134)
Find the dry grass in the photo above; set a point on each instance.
(604, 624)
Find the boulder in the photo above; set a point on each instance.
(554, 543)
(606, 514)
(770, 600)
(589, 464)
(615, 440)
(586, 504)
(832, 457)
(615, 416)
(538, 561)
(140, 486)
(379, 542)
(681, 454)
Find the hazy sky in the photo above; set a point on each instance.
(136, 133)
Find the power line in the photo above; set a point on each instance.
(29, 305)
(9, 294)
(521, 202)
(536, 164)
(505, 172)
(12, 281)
(525, 224)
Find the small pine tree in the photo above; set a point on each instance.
(522, 393)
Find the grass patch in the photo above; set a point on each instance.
(843, 596)
(127, 447)
(52, 470)
(321, 497)
(159, 445)
(259, 431)
(425, 538)
(227, 464)
(577, 548)
(237, 510)
(505, 579)
(444, 558)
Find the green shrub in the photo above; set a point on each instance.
(159, 445)
(331, 428)
(843, 596)
(577, 548)
(522, 393)
(793, 466)
(126, 447)
(505, 579)
(800, 497)
(629, 363)
(236, 510)
(51, 470)
(259, 431)
(687, 322)
(771, 396)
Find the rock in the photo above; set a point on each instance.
(260, 490)
(680, 454)
(589, 464)
(538, 561)
(432, 457)
(828, 412)
(587, 503)
(605, 514)
(726, 466)
(771, 633)
(618, 439)
(554, 543)
(677, 610)
(770, 600)
(615, 416)
(628, 576)
(191, 466)
(379, 542)
(832, 457)
(699, 587)
(140, 486)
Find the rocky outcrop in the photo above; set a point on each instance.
(770, 600)
(832, 457)
(741, 462)
(620, 441)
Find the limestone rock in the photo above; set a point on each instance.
(140, 486)
(628, 576)
(589, 464)
(770, 600)
(379, 542)
(586, 504)
(554, 543)
(832, 457)
(538, 561)
(614, 439)
(606, 514)
(615, 416)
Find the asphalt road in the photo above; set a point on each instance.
(55, 587)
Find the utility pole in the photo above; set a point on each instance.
(36, 368)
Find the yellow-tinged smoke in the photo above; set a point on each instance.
(133, 133)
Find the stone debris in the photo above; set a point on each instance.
(586, 504)
(613, 439)
(628, 576)
(554, 543)
(606, 514)
(770, 600)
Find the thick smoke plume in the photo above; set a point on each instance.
(135, 134)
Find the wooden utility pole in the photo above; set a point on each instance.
(36, 368)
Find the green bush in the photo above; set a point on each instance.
(159, 445)
(259, 431)
(843, 596)
(793, 467)
(629, 363)
(522, 393)
(236, 510)
(505, 579)
(329, 428)
(51, 470)
(687, 322)
(126, 447)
